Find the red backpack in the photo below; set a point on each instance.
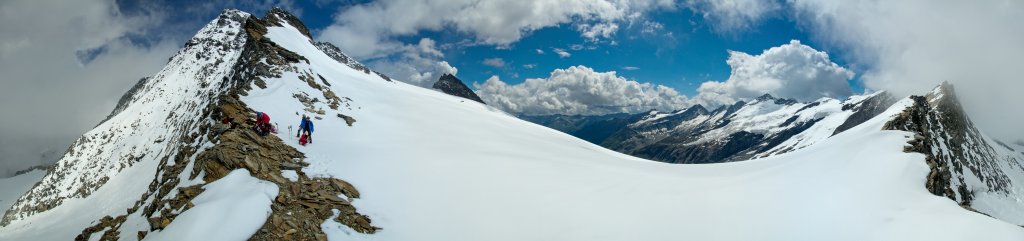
(304, 139)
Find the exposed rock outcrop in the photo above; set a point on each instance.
(962, 162)
(449, 84)
(335, 53)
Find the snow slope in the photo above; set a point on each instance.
(13, 187)
(433, 167)
(222, 207)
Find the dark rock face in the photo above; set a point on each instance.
(680, 151)
(955, 150)
(451, 85)
(601, 127)
(778, 101)
(865, 110)
(33, 168)
(335, 53)
(277, 14)
(127, 98)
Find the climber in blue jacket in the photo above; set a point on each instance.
(306, 126)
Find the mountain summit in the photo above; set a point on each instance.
(449, 84)
(180, 160)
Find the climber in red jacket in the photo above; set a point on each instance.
(262, 126)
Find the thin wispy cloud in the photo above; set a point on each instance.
(562, 53)
(494, 62)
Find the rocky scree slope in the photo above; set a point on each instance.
(167, 130)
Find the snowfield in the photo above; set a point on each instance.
(437, 167)
(430, 166)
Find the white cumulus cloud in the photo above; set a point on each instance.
(370, 29)
(792, 70)
(579, 90)
(910, 46)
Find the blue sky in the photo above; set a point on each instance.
(692, 54)
(685, 52)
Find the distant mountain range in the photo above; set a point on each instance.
(762, 127)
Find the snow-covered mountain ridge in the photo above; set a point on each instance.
(162, 115)
(977, 172)
(424, 165)
(167, 132)
(763, 127)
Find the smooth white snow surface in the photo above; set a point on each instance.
(291, 175)
(12, 188)
(231, 208)
(433, 167)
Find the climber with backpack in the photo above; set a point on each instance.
(262, 126)
(305, 133)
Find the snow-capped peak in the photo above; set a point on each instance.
(178, 147)
(155, 118)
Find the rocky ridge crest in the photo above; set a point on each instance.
(225, 60)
